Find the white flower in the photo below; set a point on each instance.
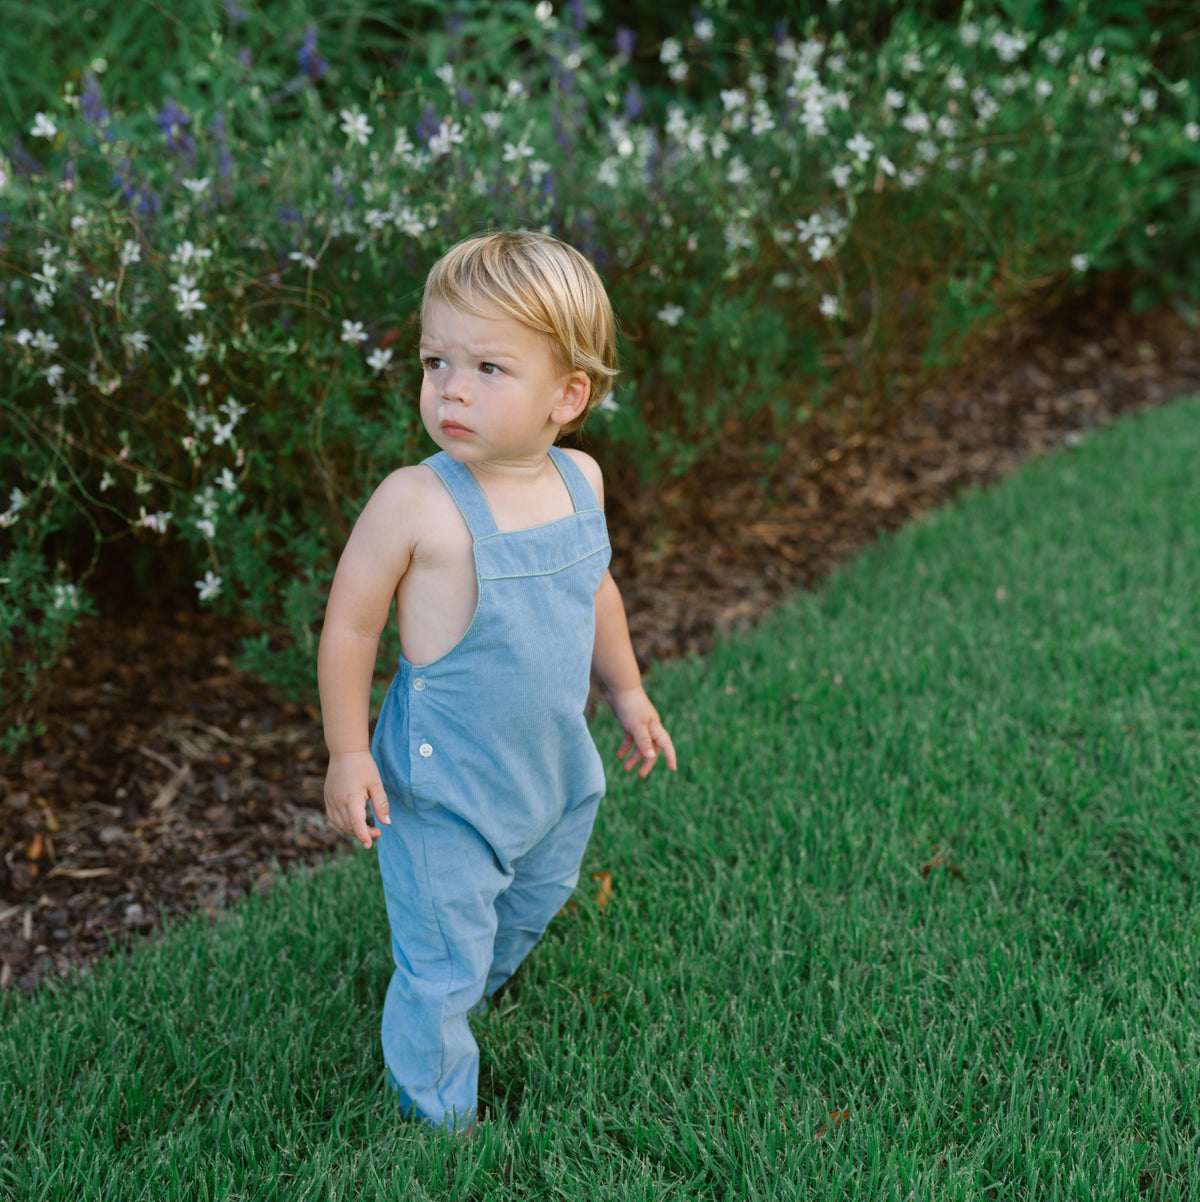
(136, 342)
(379, 358)
(207, 527)
(46, 343)
(16, 499)
(677, 72)
(66, 596)
(860, 147)
(210, 586)
(189, 301)
(157, 522)
(516, 88)
(449, 134)
(886, 165)
(911, 64)
(670, 314)
(704, 29)
(761, 121)
(106, 482)
(186, 252)
(1080, 263)
(492, 121)
(515, 153)
(43, 127)
(352, 332)
(916, 123)
(446, 74)
(101, 290)
(197, 187)
(54, 374)
(355, 126)
(1043, 89)
(1191, 131)
(968, 33)
(227, 480)
(830, 306)
(131, 252)
(222, 432)
(841, 175)
(1148, 98)
(893, 99)
(1053, 52)
(304, 259)
(1095, 58)
(196, 345)
(733, 98)
(737, 237)
(403, 145)
(1008, 46)
(607, 175)
(670, 51)
(544, 12)
(738, 172)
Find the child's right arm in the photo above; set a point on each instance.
(377, 555)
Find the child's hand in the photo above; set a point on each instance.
(645, 735)
(352, 781)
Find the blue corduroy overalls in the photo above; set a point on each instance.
(493, 781)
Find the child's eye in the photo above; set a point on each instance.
(489, 369)
(431, 363)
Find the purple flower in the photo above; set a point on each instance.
(428, 125)
(235, 11)
(134, 192)
(171, 120)
(220, 132)
(625, 40)
(633, 103)
(90, 102)
(578, 16)
(311, 63)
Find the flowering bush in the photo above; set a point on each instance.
(208, 302)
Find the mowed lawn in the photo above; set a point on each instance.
(916, 918)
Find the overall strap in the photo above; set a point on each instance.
(583, 497)
(467, 494)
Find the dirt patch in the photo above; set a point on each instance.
(167, 781)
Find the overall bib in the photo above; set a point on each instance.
(493, 782)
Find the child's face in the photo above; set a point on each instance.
(491, 389)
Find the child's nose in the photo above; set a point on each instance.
(454, 385)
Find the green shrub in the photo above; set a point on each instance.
(208, 292)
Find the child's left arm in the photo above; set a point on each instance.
(614, 663)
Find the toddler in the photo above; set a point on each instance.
(482, 781)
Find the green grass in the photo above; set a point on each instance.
(931, 859)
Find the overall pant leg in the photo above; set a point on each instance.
(543, 879)
(441, 879)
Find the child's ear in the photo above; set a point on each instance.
(576, 393)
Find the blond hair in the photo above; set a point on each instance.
(542, 283)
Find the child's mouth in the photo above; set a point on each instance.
(454, 430)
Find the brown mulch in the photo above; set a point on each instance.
(167, 781)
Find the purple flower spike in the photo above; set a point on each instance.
(625, 40)
(171, 120)
(91, 103)
(311, 63)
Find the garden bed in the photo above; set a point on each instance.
(167, 781)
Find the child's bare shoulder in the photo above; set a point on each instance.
(591, 471)
(407, 503)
